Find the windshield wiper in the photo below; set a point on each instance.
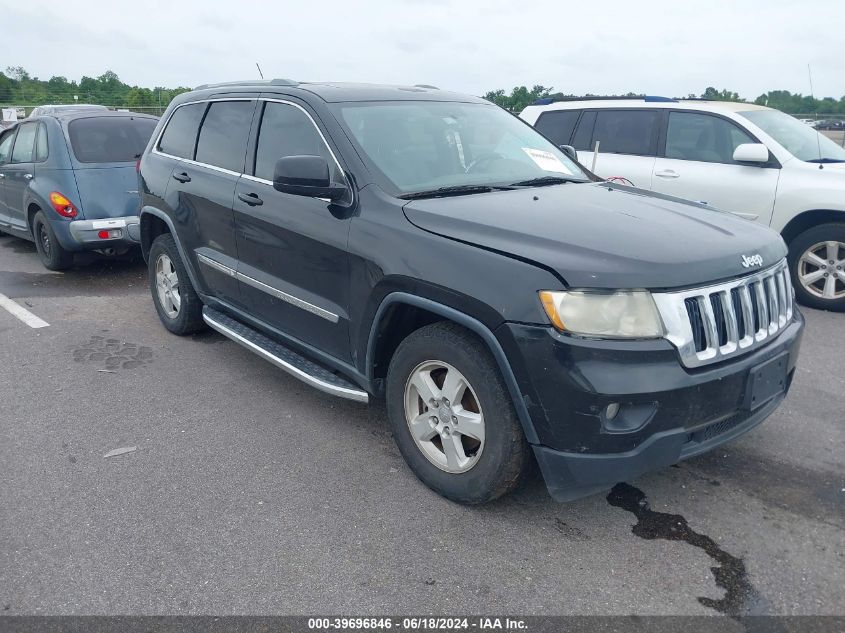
(544, 181)
(456, 190)
(826, 160)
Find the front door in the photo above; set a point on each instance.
(293, 261)
(697, 164)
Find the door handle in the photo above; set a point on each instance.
(2, 176)
(251, 199)
(28, 176)
(667, 173)
(183, 177)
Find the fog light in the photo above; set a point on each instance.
(611, 410)
(110, 235)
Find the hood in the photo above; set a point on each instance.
(107, 191)
(604, 236)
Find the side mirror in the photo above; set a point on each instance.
(306, 176)
(751, 153)
(569, 151)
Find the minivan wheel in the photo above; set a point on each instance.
(177, 304)
(817, 265)
(50, 252)
(452, 416)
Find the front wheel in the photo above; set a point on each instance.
(452, 416)
(817, 265)
(178, 305)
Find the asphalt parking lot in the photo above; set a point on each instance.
(250, 493)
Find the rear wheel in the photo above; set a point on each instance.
(817, 265)
(452, 416)
(50, 252)
(177, 304)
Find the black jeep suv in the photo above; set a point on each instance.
(431, 249)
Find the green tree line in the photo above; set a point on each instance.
(18, 87)
(784, 100)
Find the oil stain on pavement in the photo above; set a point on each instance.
(730, 574)
(112, 352)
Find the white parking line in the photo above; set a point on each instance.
(21, 313)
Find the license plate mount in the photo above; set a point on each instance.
(765, 381)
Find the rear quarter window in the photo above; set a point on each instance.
(109, 139)
(180, 136)
(558, 125)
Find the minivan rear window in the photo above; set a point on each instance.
(109, 139)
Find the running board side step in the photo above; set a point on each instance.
(283, 357)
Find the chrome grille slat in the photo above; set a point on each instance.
(758, 305)
(747, 316)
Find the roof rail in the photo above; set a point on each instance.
(646, 98)
(250, 82)
(430, 87)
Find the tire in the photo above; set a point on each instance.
(177, 304)
(495, 463)
(50, 252)
(810, 257)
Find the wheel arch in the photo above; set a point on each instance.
(152, 220)
(807, 220)
(401, 313)
(32, 208)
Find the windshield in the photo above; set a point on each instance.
(798, 138)
(110, 139)
(420, 146)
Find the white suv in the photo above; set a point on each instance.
(753, 161)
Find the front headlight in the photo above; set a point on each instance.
(621, 314)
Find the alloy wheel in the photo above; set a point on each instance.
(167, 285)
(444, 416)
(821, 270)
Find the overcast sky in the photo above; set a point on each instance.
(602, 47)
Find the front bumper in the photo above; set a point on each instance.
(666, 413)
(87, 233)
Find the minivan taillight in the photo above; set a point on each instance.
(62, 205)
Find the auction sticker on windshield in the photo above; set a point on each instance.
(547, 161)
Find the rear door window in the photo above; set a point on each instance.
(224, 134)
(25, 143)
(180, 135)
(627, 131)
(119, 139)
(558, 125)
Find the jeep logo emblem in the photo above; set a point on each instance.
(752, 260)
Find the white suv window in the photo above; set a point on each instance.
(704, 138)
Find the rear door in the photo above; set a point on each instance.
(7, 138)
(208, 142)
(293, 259)
(105, 149)
(18, 173)
(697, 164)
(627, 141)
